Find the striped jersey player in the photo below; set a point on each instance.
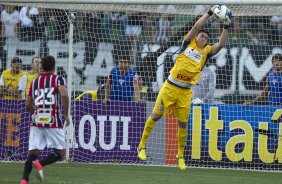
(43, 101)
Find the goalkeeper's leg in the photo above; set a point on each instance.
(182, 115)
(148, 129)
(182, 136)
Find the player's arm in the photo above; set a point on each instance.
(22, 85)
(219, 45)
(65, 101)
(65, 97)
(29, 105)
(136, 87)
(199, 24)
(3, 89)
(28, 100)
(1, 86)
(223, 37)
(108, 88)
(261, 96)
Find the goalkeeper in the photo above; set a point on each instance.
(175, 95)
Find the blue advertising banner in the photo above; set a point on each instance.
(233, 135)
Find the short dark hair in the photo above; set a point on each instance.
(124, 57)
(16, 60)
(48, 63)
(203, 31)
(277, 56)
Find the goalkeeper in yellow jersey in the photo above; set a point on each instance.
(175, 95)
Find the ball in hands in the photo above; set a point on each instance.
(221, 13)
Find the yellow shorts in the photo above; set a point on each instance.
(172, 99)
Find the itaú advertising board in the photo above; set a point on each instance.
(230, 136)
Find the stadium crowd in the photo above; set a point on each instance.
(29, 23)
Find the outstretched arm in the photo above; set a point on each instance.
(219, 45)
(107, 91)
(136, 86)
(136, 91)
(197, 26)
(261, 96)
(223, 37)
(200, 23)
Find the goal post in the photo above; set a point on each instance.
(87, 37)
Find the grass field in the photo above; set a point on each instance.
(10, 173)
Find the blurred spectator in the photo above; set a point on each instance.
(10, 20)
(149, 28)
(33, 73)
(27, 16)
(273, 88)
(115, 18)
(276, 29)
(62, 26)
(134, 25)
(93, 95)
(41, 22)
(123, 82)
(234, 25)
(254, 27)
(203, 92)
(13, 81)
(164, 23)
(93, 23)
(201, 9)
(2, 7)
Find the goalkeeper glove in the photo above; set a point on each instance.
(210, 12)
(227, 21)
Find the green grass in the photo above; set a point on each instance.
(10, 173)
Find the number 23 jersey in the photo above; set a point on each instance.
(190, 61)
(47, 100)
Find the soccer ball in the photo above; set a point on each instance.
(221, 13)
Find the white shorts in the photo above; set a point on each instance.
(39, 138)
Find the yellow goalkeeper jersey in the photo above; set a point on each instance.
(189, 62)
(30, 78)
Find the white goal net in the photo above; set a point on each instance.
(88, 40)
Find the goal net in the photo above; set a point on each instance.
(89, 39)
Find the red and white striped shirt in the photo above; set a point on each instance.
(47, 100)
